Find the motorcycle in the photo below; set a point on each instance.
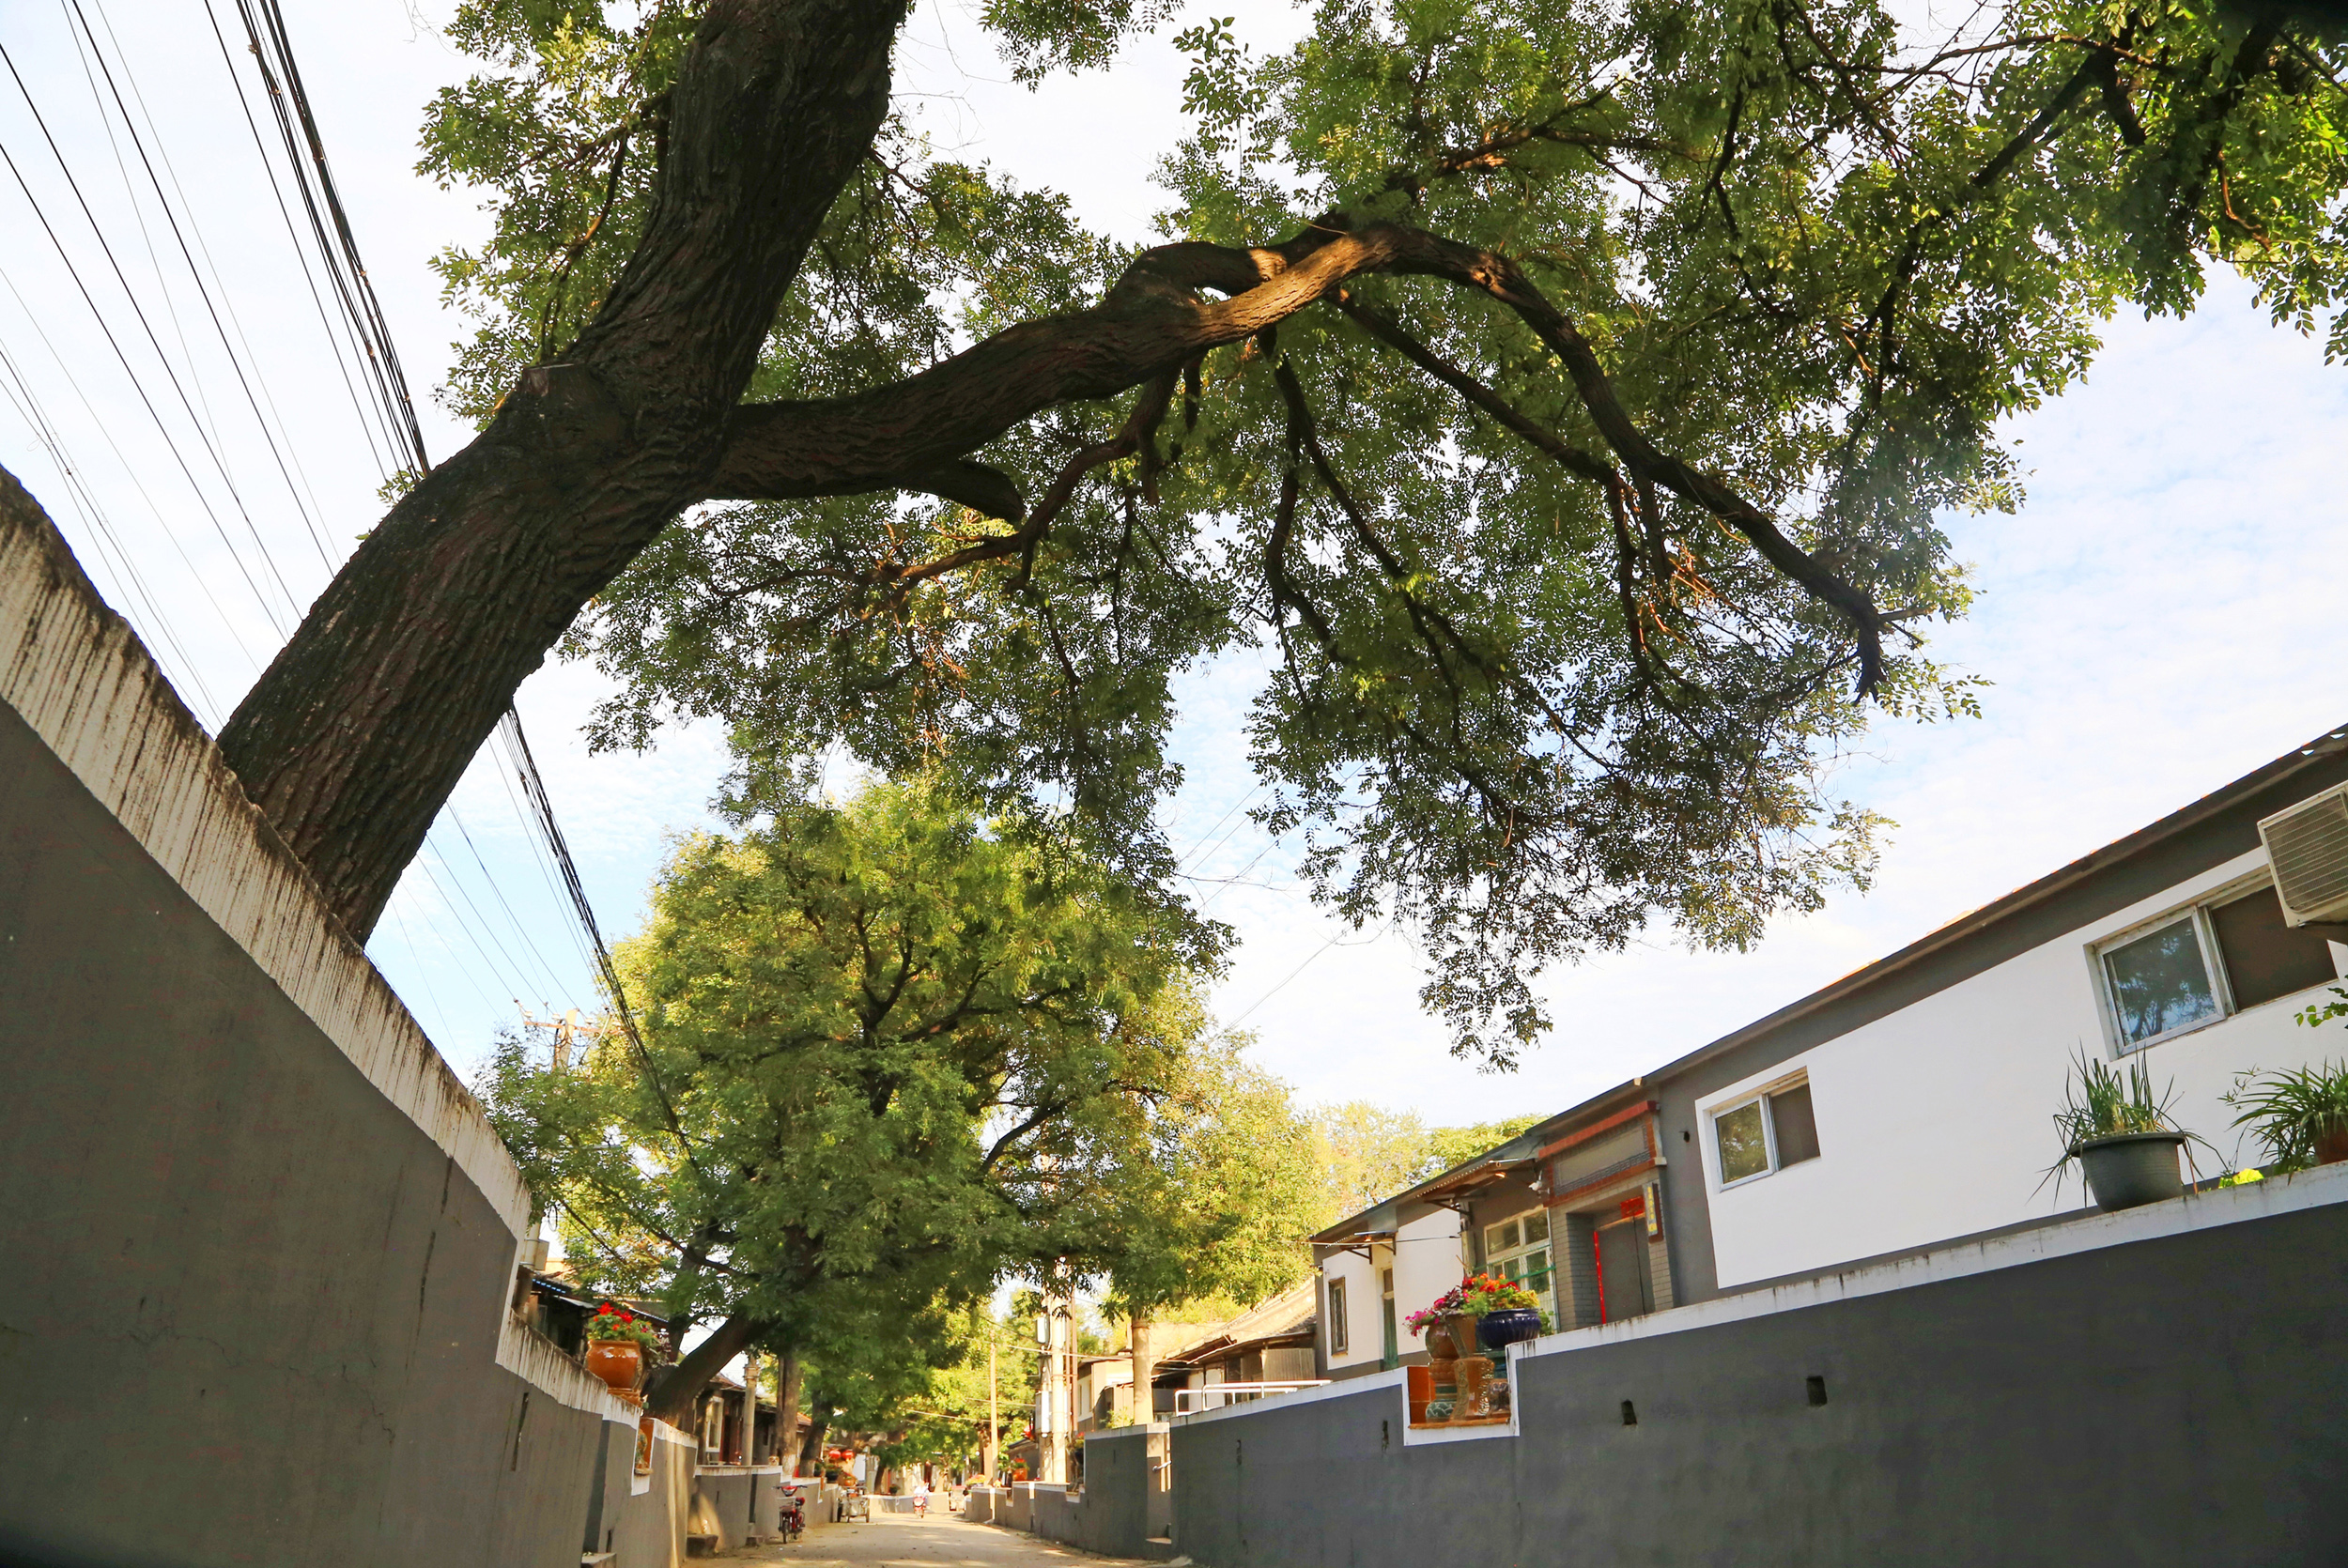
(794, 1516)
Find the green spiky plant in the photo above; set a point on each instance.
(2291, 1111)
(2100, 1103)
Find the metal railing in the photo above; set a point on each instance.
(1216, 1396)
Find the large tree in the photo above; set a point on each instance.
(875, 1040)
(1561, 392)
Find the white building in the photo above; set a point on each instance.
(1910, 1103)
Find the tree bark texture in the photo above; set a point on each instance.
(1145, 1408)
(358, 731)
(787, 1375)
(673, 1397)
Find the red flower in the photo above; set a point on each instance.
(627, 1317)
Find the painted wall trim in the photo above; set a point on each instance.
(2315, 1188)
(1392, 1377)
(543, 1365)
(79, 677)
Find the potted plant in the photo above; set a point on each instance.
(2301, 1116)
(1434, 1322)
(618, 1346)
(2120, 1136)
(1505, 1311)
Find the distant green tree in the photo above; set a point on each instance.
(873, 1036)
(1210, 1194)
(1368, 1153)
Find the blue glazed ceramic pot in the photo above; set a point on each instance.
(1501, 1329)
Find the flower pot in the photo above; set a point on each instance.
(1443, 1391)
(618, 1361)
(2332, 1147)
(1463, 1327)
(2129, 1169)
(1507, 1327)
(1441, 1347)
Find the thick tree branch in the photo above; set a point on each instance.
(1152, 324)
(354, 737)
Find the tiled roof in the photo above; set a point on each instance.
(1290, 1314)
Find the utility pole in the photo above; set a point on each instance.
(567, 1030)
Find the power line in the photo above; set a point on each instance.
(120, 562)
(139, 146)
(106, 434)
(290, 102)
(341, 354)
(112, 343)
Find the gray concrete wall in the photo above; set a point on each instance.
(259, 1238)
(651, 1532)
(2173, 1400)
(1122, 1502)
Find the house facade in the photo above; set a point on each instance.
(1273, 1341)
(1907, 1104)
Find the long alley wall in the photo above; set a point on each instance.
(258, 1238)
(2164, 1386)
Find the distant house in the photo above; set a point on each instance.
(1269, 1342)
(1908, 1105)
(553, 1304)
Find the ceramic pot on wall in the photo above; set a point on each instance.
(1463, 1327)
(2131, 1168)
(1443, 1396)
(1441, 1347)
(2332, 1147)
(618, 1361)
(1503, 1329)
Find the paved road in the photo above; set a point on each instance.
(939, 1541)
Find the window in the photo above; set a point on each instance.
(1766, 1133)
(2159, 982)
(1336, 1317)
(1390, 1353)
(1518, 1250)
(2204, 962)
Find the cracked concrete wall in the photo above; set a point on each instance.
(258, 1238)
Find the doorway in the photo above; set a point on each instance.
(1624, 1289)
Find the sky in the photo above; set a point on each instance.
(2161, 617)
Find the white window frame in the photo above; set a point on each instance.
(2213, 960)
(1494, 1260)
(1340, 1338)
(1712, 1115)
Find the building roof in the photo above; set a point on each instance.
(1288, 1315)
(1379, 1221)
(564, 1286)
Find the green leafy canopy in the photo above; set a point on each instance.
(877, 1042)
(1565, 616)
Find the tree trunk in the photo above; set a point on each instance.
(787, 1375)
(811, 1451)
(1145, 1360)
(672, 1398)
(359, 729)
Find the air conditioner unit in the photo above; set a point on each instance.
(2307, 846)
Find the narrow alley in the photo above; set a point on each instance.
(889, 1542)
